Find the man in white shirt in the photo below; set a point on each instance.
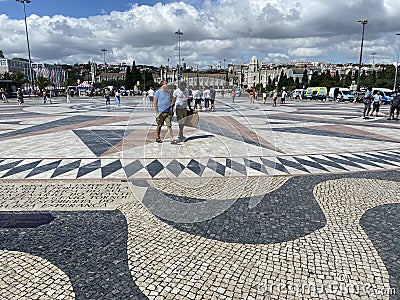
(283, 97)
(150, 93)
(181, 95)
(197, 99)
(206, 96)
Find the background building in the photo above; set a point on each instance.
(55, 74)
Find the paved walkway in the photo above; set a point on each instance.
(290, 202)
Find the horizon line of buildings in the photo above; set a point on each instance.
(250, 74)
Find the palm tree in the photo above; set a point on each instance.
(19, 79)
(43, 82)
(6, 76)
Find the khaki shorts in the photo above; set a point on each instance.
(164, 116)
(181, 113)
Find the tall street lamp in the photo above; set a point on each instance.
(226, 74)
(397, 66)
(27, 41)
(373, 60)
(104, 54)
(104, 50)
(363, 22)
(373, 63)
(179, 33)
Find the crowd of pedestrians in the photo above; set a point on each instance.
(373, 100)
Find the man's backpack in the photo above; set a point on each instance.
(396, 100)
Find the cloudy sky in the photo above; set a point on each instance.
(74, 31)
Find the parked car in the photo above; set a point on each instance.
(298, 93)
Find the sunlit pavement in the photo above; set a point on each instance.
(299, 201)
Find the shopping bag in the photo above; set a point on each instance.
(192, 119)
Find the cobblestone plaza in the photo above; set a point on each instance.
(299, 201)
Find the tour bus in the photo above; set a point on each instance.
(319, 93)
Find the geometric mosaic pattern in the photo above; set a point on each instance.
(195, 168)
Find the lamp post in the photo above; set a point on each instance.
(179, 33)
(104, 54)
(373, 58)
(27, 41)
(363, 22)
(104, 50)
(373, 64)
(397, 66)
(166, 77)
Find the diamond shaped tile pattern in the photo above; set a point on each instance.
(238, 166)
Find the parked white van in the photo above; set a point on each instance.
(340, 94)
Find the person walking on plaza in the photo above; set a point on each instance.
(274, 97)
(68, 96)
(212, 99)
(367, 102)
(163, 107)
(283, 96)
(233, 95)
(197, 100)
(264, 96)
(253, 95)
(118, 98)
(107, 96)
(20, 96)
(144, 100)
(44, 93)
(3, 95)
(395, 106)
(376, 103)
(206, 96)
(180, 99)
(150, 94)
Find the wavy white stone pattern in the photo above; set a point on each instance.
(25, 276)
(339, 257)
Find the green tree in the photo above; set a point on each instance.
(297, 83)
(315, 79)
(304, 79)
(147, 80)
(129, 83)
(6, 76)
(136, 76)
(43, 82)
(19, 79)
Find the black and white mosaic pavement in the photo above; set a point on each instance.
(69, 221)
(174, 168)
(90, 247)
(382, 224)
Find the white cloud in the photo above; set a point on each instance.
(213, 30)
